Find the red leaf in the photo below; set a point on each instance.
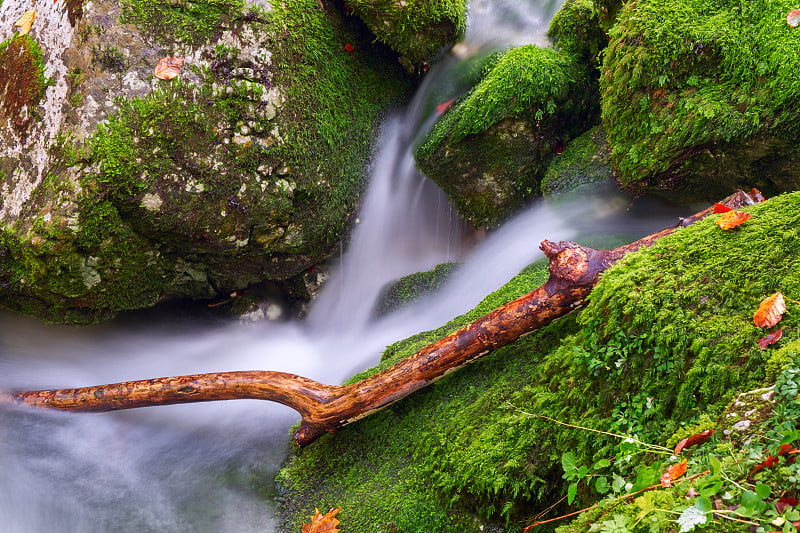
(349, 47)
(673, 472)
(721, 208)
(772, 338)
(769, 462)
(731, 219)
(693, 440)
(770, 311)
(442, 108)
(782, 504)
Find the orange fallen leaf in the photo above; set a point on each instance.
(770, 311)
(673, 472)
(793, 18)
(693, 440)
(26, 21)
(731, 219)
(168, 67)
(323, 523)
(770, 339)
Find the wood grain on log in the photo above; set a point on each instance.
(574, 270)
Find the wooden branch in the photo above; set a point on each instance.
(574, 270)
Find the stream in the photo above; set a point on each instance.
(203, 467)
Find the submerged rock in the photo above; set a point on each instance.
(120, 189)
(490, 150)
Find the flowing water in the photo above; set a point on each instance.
(194, 467)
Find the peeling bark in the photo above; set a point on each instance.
(574, 270)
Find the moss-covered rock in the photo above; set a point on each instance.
(416, 29)
(412, 287)
(665, 342)
(124, 189)
(489, 152)
(699, 98)
(584, 160)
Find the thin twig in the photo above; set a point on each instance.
(618, 498)
(661, 449)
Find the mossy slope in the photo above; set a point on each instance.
(700, 97)
(490, 150)
(666, 338)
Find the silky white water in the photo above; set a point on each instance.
(194, 467)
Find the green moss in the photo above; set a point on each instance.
(680, 78)
(665, 340)
(416, 29)
(22, 81)
(522, 82)
(576, 29)
(585, 160)
(191, 23)
(410, 288)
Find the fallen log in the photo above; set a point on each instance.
(574, 270)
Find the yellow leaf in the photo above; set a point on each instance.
(168, 67)
(26, 21)
(323, 523)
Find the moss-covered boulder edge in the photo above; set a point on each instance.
(120, 190)
(663, 350)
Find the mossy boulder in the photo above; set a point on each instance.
(700, 98)
(665, 343)
(416, 29)
(490, 150)
(411, 288)
(120, 189)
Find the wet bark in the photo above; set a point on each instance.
(574, 270)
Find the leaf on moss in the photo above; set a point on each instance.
(770, 311)
(733, 218)
(770, 339)
(673, 472)
(721, 208)
(168, 67)
(693, 440)
(323, 523)
(793, 18)
(26, 21)
(769, 462)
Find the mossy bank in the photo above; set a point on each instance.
(248, 166)
(663, 346)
